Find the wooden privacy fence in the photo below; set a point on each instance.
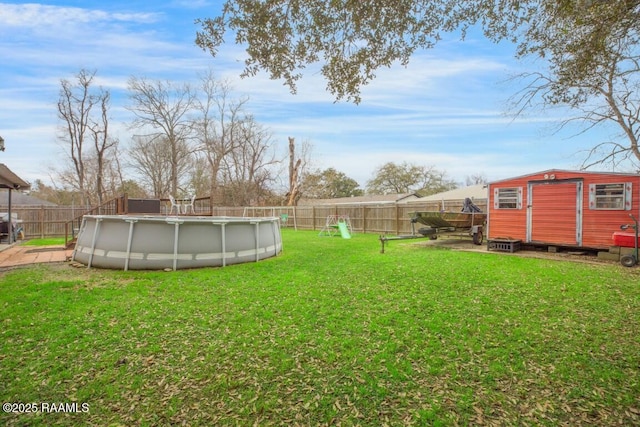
(53, 221)
(45, 221)
(367, 218)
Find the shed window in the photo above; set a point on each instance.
(508, 198)
(610, 196)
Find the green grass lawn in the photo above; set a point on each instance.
(53, 241)
(329, 333)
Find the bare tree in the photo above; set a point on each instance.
(217, 128)
(475, 179)
(248, 170)
(607, 94)
(236, 149)
(151, 158)
(81, 124)
(162, 110)
(101, 144)
(118, 181)
(199, 174)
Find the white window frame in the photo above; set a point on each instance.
(507, 195)
(602, 200)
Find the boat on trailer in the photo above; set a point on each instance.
(470, 222)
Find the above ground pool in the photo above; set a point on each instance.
(157, 243)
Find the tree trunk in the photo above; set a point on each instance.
(294, 166)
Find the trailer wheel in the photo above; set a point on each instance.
(478, 237)
(628, 260)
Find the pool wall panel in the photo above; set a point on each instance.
(149, 243)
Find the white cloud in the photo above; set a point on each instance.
(445, 108)
(53, 18)
(192, 4)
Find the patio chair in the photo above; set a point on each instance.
(174, 205)
(186, 207)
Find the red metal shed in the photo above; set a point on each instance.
(564, 208)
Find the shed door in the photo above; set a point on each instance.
(554, 213)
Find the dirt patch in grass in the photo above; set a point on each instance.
(575, 255)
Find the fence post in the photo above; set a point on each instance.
(397, 219)
(364, 219)
(313, 218)
(41, 221)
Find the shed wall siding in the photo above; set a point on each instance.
(599, 225)
(555, 216)
(508, 223)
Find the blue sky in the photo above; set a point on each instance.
(446, 109)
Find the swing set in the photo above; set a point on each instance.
(337, 224)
